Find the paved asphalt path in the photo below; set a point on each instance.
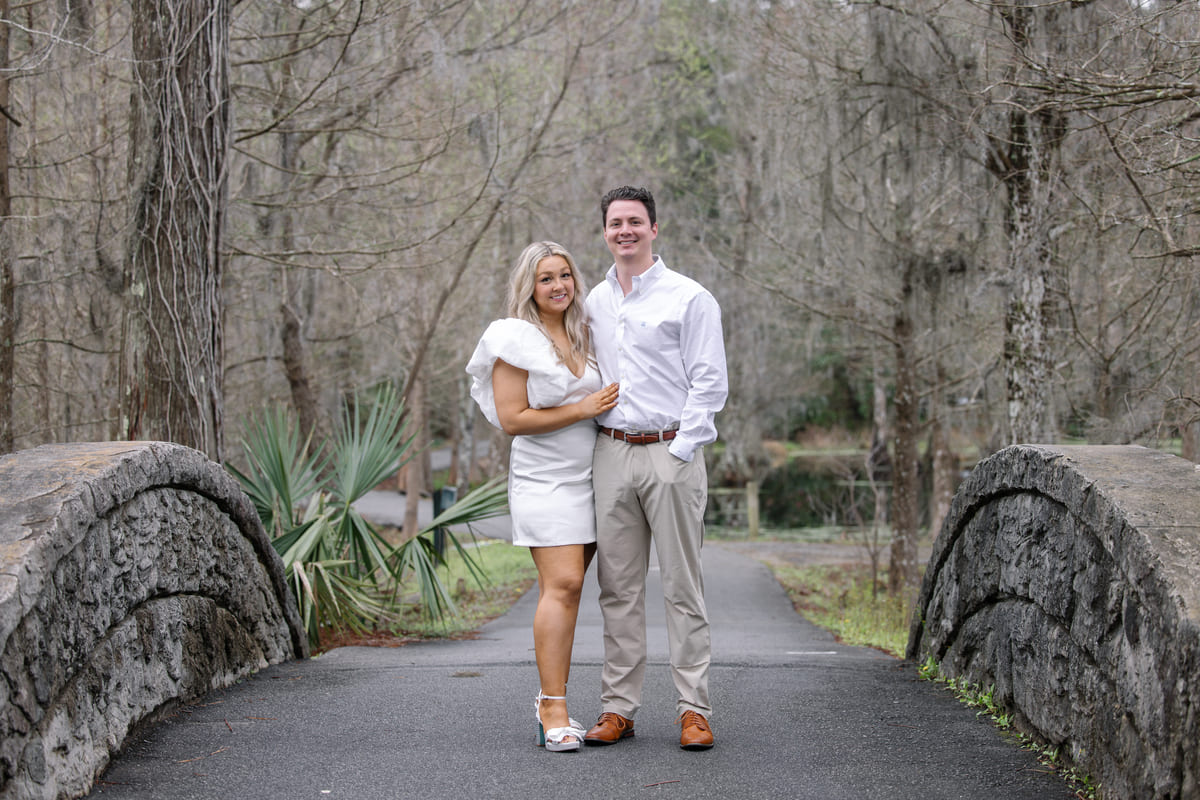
(797, 715)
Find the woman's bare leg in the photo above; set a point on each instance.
(560, 581)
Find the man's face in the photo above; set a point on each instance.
(628, 232)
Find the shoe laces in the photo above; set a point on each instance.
(693, 719)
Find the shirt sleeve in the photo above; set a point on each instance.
(518, 343)
(702, 348)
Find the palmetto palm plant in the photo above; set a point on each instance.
(344, 574)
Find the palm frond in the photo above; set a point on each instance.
(344, 574)
(485, 501)
(419, 556)
(281, 473)
(366, 548)
(371, 445)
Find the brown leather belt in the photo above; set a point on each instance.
(638, 438)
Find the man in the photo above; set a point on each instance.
(657, 334)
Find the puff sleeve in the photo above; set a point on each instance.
(521, 344)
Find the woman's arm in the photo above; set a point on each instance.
(517, 418)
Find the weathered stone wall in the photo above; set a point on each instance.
(1069, 578)
(133, 576)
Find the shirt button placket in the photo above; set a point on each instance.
(622, 377)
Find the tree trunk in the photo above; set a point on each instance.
(879, 463)
(171, 380)
(902, 566)
(1189, 425)
(943, 461)
(943, 474)
(1024, 162)
(297, 377)
(466, 439)
(415, 481)
(1026, 352)
(295, 365)
(8, 318)
(1190, 435)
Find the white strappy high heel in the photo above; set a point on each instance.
(555, 739)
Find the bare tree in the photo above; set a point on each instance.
(384, 148)
(172, 358)
(1023, 154)
(886, 221)
(390, 159)
(8, 319)
(1129, 87)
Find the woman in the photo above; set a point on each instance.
(535, 377)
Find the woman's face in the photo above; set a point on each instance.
(553, 286)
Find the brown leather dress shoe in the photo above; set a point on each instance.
(609, 729)
(694, 733)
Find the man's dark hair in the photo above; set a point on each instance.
(627, 193)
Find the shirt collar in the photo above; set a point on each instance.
(649, 276)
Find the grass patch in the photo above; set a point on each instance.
(509, 572)
(842, 534)
(985, 705)
(840, 598)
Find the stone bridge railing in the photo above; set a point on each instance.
(133, 576)
(1069, 579)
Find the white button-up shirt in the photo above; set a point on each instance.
(663, 344)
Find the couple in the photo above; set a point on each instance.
(601, 470)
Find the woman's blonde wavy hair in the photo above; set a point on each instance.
(521, 305)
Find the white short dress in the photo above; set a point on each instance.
(549, 474)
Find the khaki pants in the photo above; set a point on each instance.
(642, 493)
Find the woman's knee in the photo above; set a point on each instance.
(570, 585)
(564, 586)
(561, 572)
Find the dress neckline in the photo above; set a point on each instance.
(581, 375)
(562, 359)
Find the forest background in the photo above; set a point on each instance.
(939, 227)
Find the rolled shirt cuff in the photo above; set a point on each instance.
(681, 448)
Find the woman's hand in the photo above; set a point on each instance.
(518, 419)
(597, 403)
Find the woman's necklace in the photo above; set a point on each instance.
(562, 346)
